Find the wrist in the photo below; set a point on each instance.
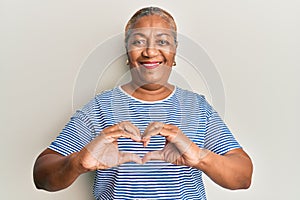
(203, 153)
(76, 165)
(204, 157)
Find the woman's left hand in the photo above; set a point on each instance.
(179, 149)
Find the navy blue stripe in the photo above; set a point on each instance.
(155, 179)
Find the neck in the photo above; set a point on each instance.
(148, 92)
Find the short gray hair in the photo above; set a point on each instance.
(148, 11)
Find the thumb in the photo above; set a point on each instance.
(129, 157)
(153, 155)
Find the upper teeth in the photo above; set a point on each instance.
(150, 64)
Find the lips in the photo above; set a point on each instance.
(150, 65)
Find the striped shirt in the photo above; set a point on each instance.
(154, 179)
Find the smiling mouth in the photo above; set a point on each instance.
(150, 65)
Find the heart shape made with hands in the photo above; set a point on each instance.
(103, 152)
(131, 131)
(177, 143)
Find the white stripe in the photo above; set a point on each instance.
(155, 179)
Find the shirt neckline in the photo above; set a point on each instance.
(143, 101)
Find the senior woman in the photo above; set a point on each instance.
(146, 139)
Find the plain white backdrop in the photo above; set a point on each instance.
(254, 45)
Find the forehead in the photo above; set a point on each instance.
(151, 31)
(152, 21)
(152, 25)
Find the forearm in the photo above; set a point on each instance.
(55, 172)
(232, 171)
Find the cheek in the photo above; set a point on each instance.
(169, 54)
(169, 57)
(133, 55)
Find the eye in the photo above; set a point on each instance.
(163, 42)
(139, 43)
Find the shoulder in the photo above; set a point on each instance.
(187, 94)
(97, 102)
(106, 94)
(195, 99)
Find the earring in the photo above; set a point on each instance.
(127, 62)
(174, 63)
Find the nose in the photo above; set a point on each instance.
(150, 51)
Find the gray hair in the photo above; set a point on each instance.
(148, 11)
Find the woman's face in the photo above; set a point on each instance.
(151, 49)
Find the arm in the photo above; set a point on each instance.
(232, 170)
(53, 171)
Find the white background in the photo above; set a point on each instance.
(254, 45)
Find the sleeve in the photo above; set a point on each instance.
(218, 137)
(77, 133)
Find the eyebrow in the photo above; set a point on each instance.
(158, 35)
(162, 34)
(139, 34)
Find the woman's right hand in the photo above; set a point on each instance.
(103, 151)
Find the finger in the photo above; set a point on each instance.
(113, 136)
(171, 127)
(173, 133)
(153, 155)
(129, 157)
(175, 136)
(110, 128)
(125, 125)
(156, 128)
(130, 128)
(169, 132)
(152, 129)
